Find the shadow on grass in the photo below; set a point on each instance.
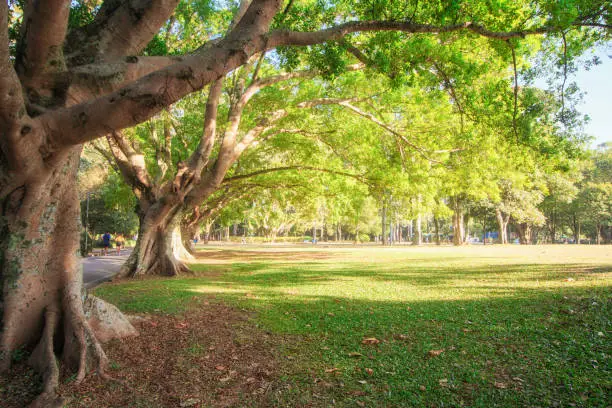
(249, 255)
(270, 275)
(511, 335)
(520, 347)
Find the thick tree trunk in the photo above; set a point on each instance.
(417, 239)
(42, 304)
(458, 231)
(598, 233)
(576, 229)
(384, 225)
(207, 228)
(466, 224)
(502, 222)
(188, 234)
(437, 230)
(524, 232)
(159, 249)
(553, 226)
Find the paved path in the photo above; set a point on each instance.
(98, 269)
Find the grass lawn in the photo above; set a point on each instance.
(392, 327)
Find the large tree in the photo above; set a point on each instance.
(62, 85)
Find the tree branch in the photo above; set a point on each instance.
(43, 31)
(515, 91)
(200, 157)
(147, 96)
(131, 163)
(296, 38)
(12, 112)
(102, 78)
(120, 28)
(286, 168)
(370, 117)
(144, 98)
(108, 156)
(264, 125)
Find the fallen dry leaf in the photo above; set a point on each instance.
(443, 382)
(358, 393)
(181, 325)
(369, 371)
(154, 324)
(355, 354)
(220, 368)
(434, 353)
(500, 385)
(332, 370)
(370, 340)
(422, 388)
(362, 382)
(189, 403)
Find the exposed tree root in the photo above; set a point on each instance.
(79, 340)
(43, 360)
(159, 252)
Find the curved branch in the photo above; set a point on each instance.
(199, 158)
(286, 168)
(12, 113)
(564, 76)
(120, 28)
(515, 91)
(370, 117)
(149, 95)
(102, 78)
(43, 31)
(297, 38)
(144, 98)
(131, 163)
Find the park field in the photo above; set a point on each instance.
(320, 326)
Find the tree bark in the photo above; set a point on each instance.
(42, 278)
(502, 222)
(159, 249)
(458, 231)
(598, 233)
(385, 239)
(207, 228)
(524, 231)
(437, 230)
(417, 239)
(188, 234)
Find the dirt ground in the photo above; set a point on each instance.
(198, 359)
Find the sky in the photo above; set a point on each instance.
(597, 102)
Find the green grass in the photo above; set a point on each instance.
(518, 326)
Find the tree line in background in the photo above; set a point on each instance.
(570, 208)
